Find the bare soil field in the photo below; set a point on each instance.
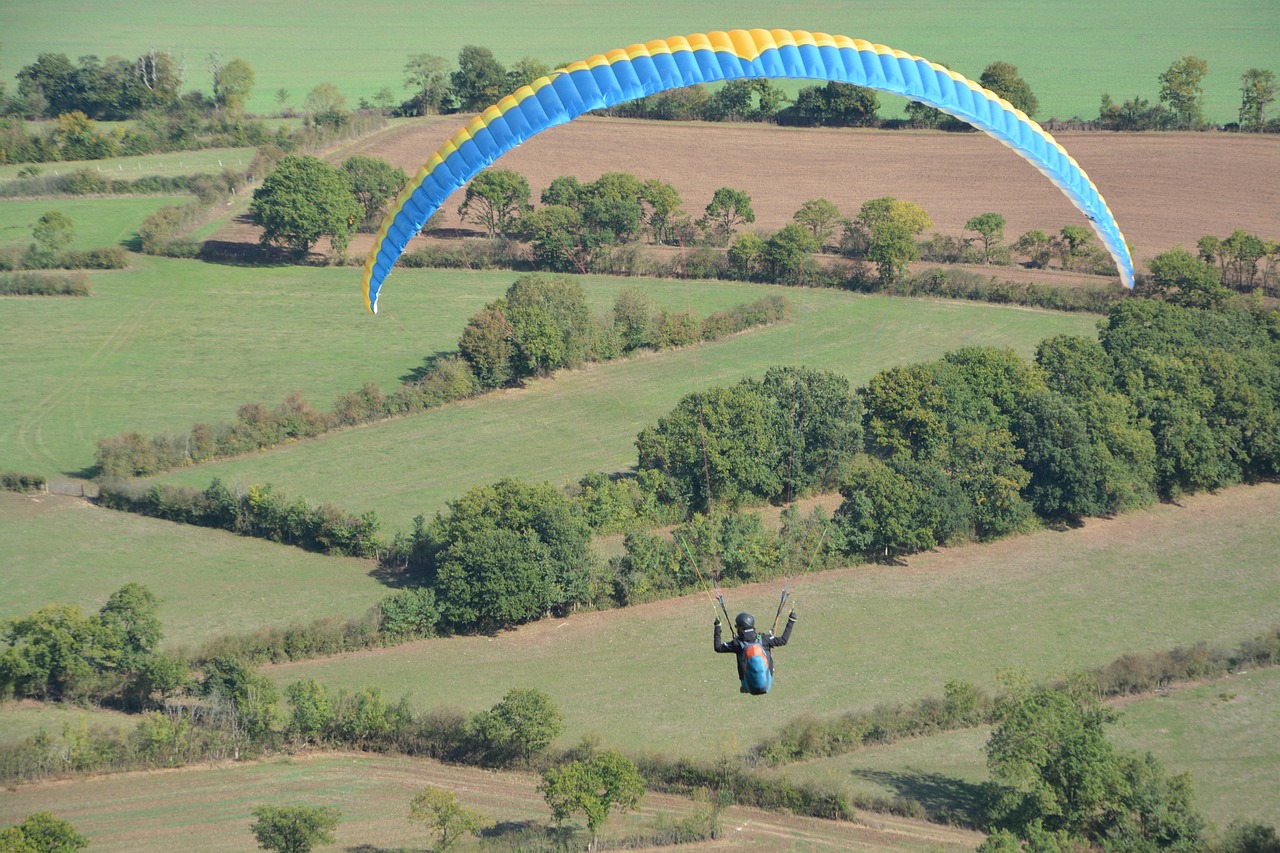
(1165, 189)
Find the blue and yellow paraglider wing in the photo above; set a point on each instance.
(645, 69)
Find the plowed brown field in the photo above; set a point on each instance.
(1165, 189)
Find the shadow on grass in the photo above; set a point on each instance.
(954, 800)
(428, 363)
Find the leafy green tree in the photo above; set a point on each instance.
(410, 613)
(747, 256)
(508, 553)
(550, 323)
(480, 79)
(51, 651)
(595, 787)
(374, 182)
(663, 203)
(889, 227)
(559, 239)
(887, 512)
(823, 424)
(294, 829)
(428, 77)
(1003, 79)
(302, 200)
(787, 252)
(440, 810)
(250, 695)
(990, 229)
(495, 199)
(613, 205)
(1074, 243)
(53, 232)
(724, 445)
(326, 105)
(158, 676)
(42, 832)
(1066, 482)
(820, 217)
(1036, 246)
(1179, 277)
(311, 710)
(488, 345)
(1258, 89)
(520, 726)
(232, 84)
(632, 316)
(130, 625)
(1181, 90)
(526, 71)
(833, 105)
(727, 209)
(1050, 755)
(923, 115)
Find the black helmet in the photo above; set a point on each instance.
(745, 622)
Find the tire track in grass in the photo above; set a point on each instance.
(29, 434)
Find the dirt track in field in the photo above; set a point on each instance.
(1165, 189)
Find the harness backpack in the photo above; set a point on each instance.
(755, 669)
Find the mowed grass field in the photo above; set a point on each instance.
(1210, 729)
(1116, 47)
(587, 420)
(169, 343)
(1050, 602)
(210, 583)
(97, 222)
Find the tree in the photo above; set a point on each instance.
(488, 345)
(232, 84)
(311, 713)
(990, 228)
(495, 199)
(130, 624)
(480, 79)
(50, 652)
(820, 216)
(326, 105)
(42, 832)
(595, 787)
(550, 323)
(508, 553)
(523, 724)
(787, 251)
(1180, 277)
(294, 829)
(746, 256)
(440, 810)
(1074, 243)
(1036, 246)
(52, 232)
(428, 76)
(1258, 88)
(833, 105)
(1180, 90)
(525, 72)
(1003, 79)
(663, 202)
(374, 182)
(727, 209)
(632, 315)
(302, 200)
(889, 227)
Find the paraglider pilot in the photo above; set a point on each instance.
(755, 663)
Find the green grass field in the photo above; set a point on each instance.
(209, 583)
(1048, 602)
(1211, 730)
(97, 222)
(169, 343)
(208, 162)
(1069, 57)
(587, 420)
(21, 720)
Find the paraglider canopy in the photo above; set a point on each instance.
(646, 69)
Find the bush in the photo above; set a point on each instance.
(16, 481)
(44, 284)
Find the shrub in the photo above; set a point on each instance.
(16, 481)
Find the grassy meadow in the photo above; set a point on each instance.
(588, 419)
(209, 161)
(1209, 729)
(209, 582)
(1048, 602)
(1116, 47)
(97, 222)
